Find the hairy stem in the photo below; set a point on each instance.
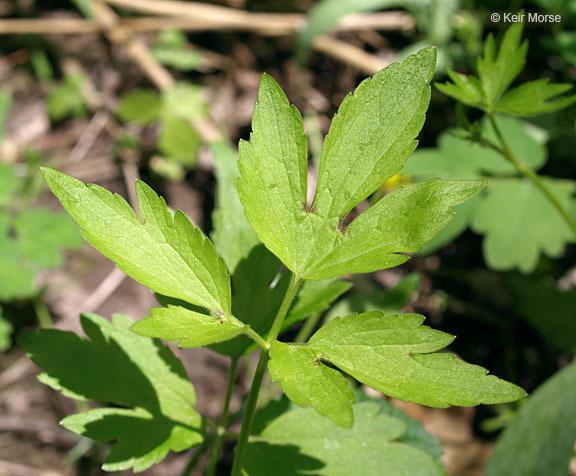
(223, 424)
(252, 401)
(255, 337)
(531, 175)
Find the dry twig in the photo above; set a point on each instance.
(89, 136)
(192, 16)
(286, 24)
(350, 54)
(140, 53)
(101, 294)
(46, 26)
(213, 17)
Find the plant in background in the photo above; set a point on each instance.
(437, 23)
(522, 216)
(172, 49)
(32, 238)
(506, 152)
(233, 295)
(67, 98)
(178, 141)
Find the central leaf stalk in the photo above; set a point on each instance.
(252, 401)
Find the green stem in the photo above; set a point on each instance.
(308, 327)
(42, 312)
(223, 424)
(255, 337)
(249, 414)
(259, 376)
(533, 176)
(283, 310)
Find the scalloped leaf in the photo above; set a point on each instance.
(390, 353)
(115, 366)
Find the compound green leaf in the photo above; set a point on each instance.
(541, 438)
(273, 166)
(301, 442)
(369, 140)
(260, 286)
(140, 105)
(373, 134)
(307, 382)
(167, 254)
(190, 328)
(393, 354)
(534, 98)
(497, 71)
(375, 238)
(520, 224)
(115, 366)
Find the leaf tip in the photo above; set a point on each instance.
(141, 327)
(267, 81)
(49, 174)
(428, 56)
(142, 186)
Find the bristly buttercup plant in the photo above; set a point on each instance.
(370, 138)
(500, 149)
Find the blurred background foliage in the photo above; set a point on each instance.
(109, 91)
